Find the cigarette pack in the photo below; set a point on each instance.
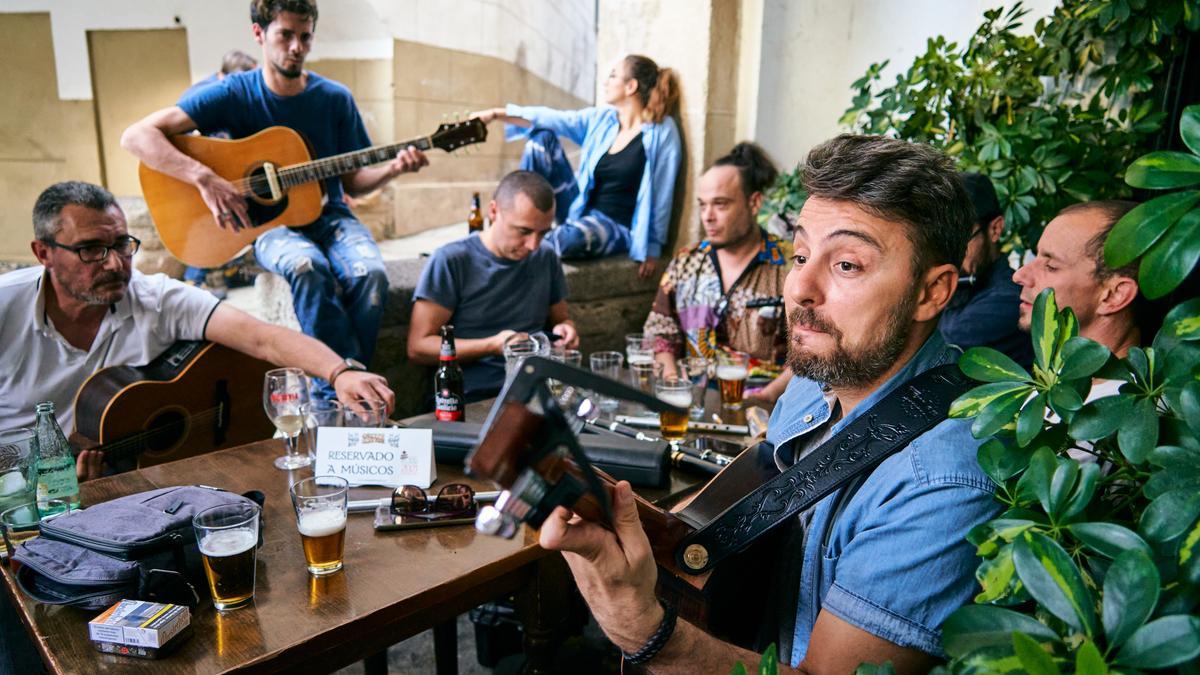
(137, 628)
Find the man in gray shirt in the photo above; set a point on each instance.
(492, 285)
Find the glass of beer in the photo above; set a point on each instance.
(732, 370)
(228, 539)
(678, 392)
(321, 518)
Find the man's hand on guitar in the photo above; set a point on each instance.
(225, 201)
(354, 385)
(89, 464)
(614, 569)
(408, 160)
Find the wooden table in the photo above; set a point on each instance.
(394, 585)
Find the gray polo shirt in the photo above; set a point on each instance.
(38, 364)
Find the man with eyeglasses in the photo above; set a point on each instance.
(984, 309)
(85, 308)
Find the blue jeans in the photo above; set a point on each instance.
(334, 252)
(592, 235)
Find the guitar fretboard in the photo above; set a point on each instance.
(337, 165)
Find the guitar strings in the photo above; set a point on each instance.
(259, 184)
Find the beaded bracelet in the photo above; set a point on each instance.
(657, 641)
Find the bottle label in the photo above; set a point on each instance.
(448, 406)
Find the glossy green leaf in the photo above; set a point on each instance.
(977, 626)
(1183, 321)
(1162, 482)
(1172, 258)
(1065, 399)
(1034, 659)
(1100, 418)
(1139, 432)
(1030, 420)
(988, 365)
(1163, 170)
(1162, 643)
(995, 576)
(1137, 230)
(1001, 462)
(1052, 578)
(1169, 515)
(1189, 406)
(1189, 555)
(1189, 127)
(1130, 594)
(769, 664)
(1109, 539)
(975, 400)
(1085, 489)
(999, 412)
(1044, 328)
(1035, 482)
(1089, 660)
(1062, 486)
(1082, 357)
(1177, 458)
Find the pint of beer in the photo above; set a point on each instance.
(678, 392)
(732, 370)
(228, 536)
(321, 518)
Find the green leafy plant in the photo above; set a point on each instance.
(1095, 564)
(1045, 116)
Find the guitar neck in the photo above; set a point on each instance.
(328, 167)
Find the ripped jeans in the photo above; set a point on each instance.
(335, 252)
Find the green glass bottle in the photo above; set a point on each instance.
(56, 464)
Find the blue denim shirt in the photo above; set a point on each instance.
(895, 561)
(594, 130)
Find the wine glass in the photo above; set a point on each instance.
(285, 390)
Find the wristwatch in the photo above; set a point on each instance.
(346, 364)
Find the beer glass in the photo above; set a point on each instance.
(370, 413)
(321, 518)
(606, 364)
(695, 368)
(228, 540)
(678, 392)
(319, 414)
(571, 357)
(639, 348)
(19, 524)
(732, 370)
(284, 391)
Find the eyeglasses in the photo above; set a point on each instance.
(124, 246)
(455, 499)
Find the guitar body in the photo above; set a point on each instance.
(194, 398)
(187, 227)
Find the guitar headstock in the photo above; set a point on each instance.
(453, 135)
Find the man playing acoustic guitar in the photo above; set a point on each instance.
(86, 308)
(336, 250)
(883, 560)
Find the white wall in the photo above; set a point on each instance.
(554, 39)
(813, 50)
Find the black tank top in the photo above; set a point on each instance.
(617, 179)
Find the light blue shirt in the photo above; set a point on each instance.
(594, 130)
(894, 562)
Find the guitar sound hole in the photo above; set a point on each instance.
(258, 184)
(165, 430)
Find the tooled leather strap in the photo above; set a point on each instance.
(891, 424)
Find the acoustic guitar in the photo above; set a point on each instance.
(275, 172)
(194, 398)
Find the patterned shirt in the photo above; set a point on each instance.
(691, 308)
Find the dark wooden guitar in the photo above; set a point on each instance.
(276, 174)
(194, 398)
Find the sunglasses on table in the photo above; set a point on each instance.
(453, 500)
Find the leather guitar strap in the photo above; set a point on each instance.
(889, 425)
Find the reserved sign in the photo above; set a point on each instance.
(364, 456)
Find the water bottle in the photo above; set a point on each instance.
(56, 465)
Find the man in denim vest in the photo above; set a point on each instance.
(877, 249)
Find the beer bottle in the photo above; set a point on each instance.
(475, 217)
(449, 404)
(56, 464)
